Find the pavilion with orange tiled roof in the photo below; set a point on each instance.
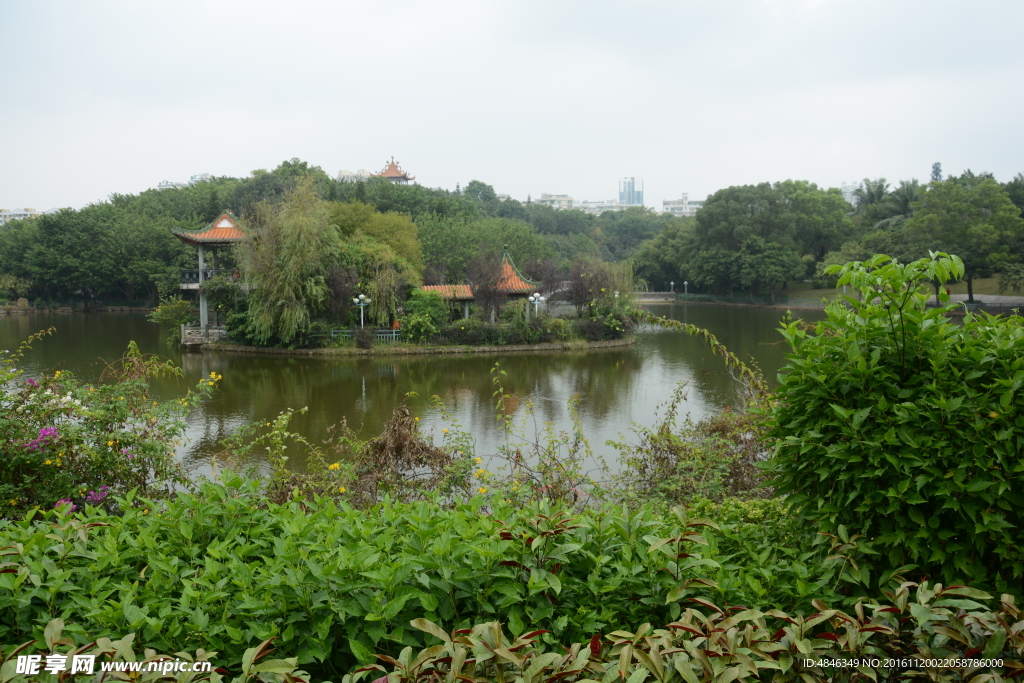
(222, 232)
(510, 281)
(395, 174)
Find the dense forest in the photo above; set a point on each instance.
(747, 239)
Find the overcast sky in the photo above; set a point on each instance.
(105, 96)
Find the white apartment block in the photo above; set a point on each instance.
(681, 207)
(848, 189)
(170, 185)
(8, 215)
(597, 208)
(200, 178)
(555, 201)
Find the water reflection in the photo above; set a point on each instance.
(616, 386)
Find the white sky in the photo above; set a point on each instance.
(106, 96)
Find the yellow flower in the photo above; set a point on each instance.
(445, 431)
(993, 414)
(56, 374)
(416, 419)
(213, 374)
(334, 466)
(120, 398)
(478, 460)
(110, 443)
(341, 489)
(482, 489)
(48, 462)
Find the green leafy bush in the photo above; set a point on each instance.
(897, 422)
(174, 313)
(224, 568)
(932, 633)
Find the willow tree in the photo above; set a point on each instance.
(285, 261)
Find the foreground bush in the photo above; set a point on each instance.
(61, 440)
(922, 633)
(225, 568)
(908, 428)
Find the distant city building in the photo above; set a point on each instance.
(629, 194)
(555, 201)
(681, 207)
(350, 177)
(200, 178)
(395, 174)
(503, 197)
(848, 189)
(8, 215)
(597, 208)
(170, 185)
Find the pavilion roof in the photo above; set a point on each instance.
(511, 281)
(394, 172)
(221, 232)
(452, 292)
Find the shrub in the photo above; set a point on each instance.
(419, 327)
(363, 337)
(61, 441)
(711, 459)
(906, 427)
(174, 313)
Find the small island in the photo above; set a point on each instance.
(309, 276)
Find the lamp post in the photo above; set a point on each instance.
(536, 299)
(362, 302)
(685, 283)
(672, 286)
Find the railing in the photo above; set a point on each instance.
(191, 275)
(777, 300)
(380, 336)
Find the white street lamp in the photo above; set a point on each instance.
(672, 286)
(536, 299)
(685, 282)
(362, 302)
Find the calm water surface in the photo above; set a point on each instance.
(616, 387)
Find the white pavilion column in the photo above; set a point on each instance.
(465, 310)
(204, 314)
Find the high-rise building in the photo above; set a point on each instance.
(848, 190)
(629, 194)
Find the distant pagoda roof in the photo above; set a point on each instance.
(394, 172)
(221, 232)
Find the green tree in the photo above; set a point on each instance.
(765, 266)
(1015, 191)
(819, 217)
(393, 229)
(483, 196)
(972, 217)
(285, 260)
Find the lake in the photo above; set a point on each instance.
(616, 387)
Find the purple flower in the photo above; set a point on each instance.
(95, 498)
(45, 434)
(65, 501)
(33, 383)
